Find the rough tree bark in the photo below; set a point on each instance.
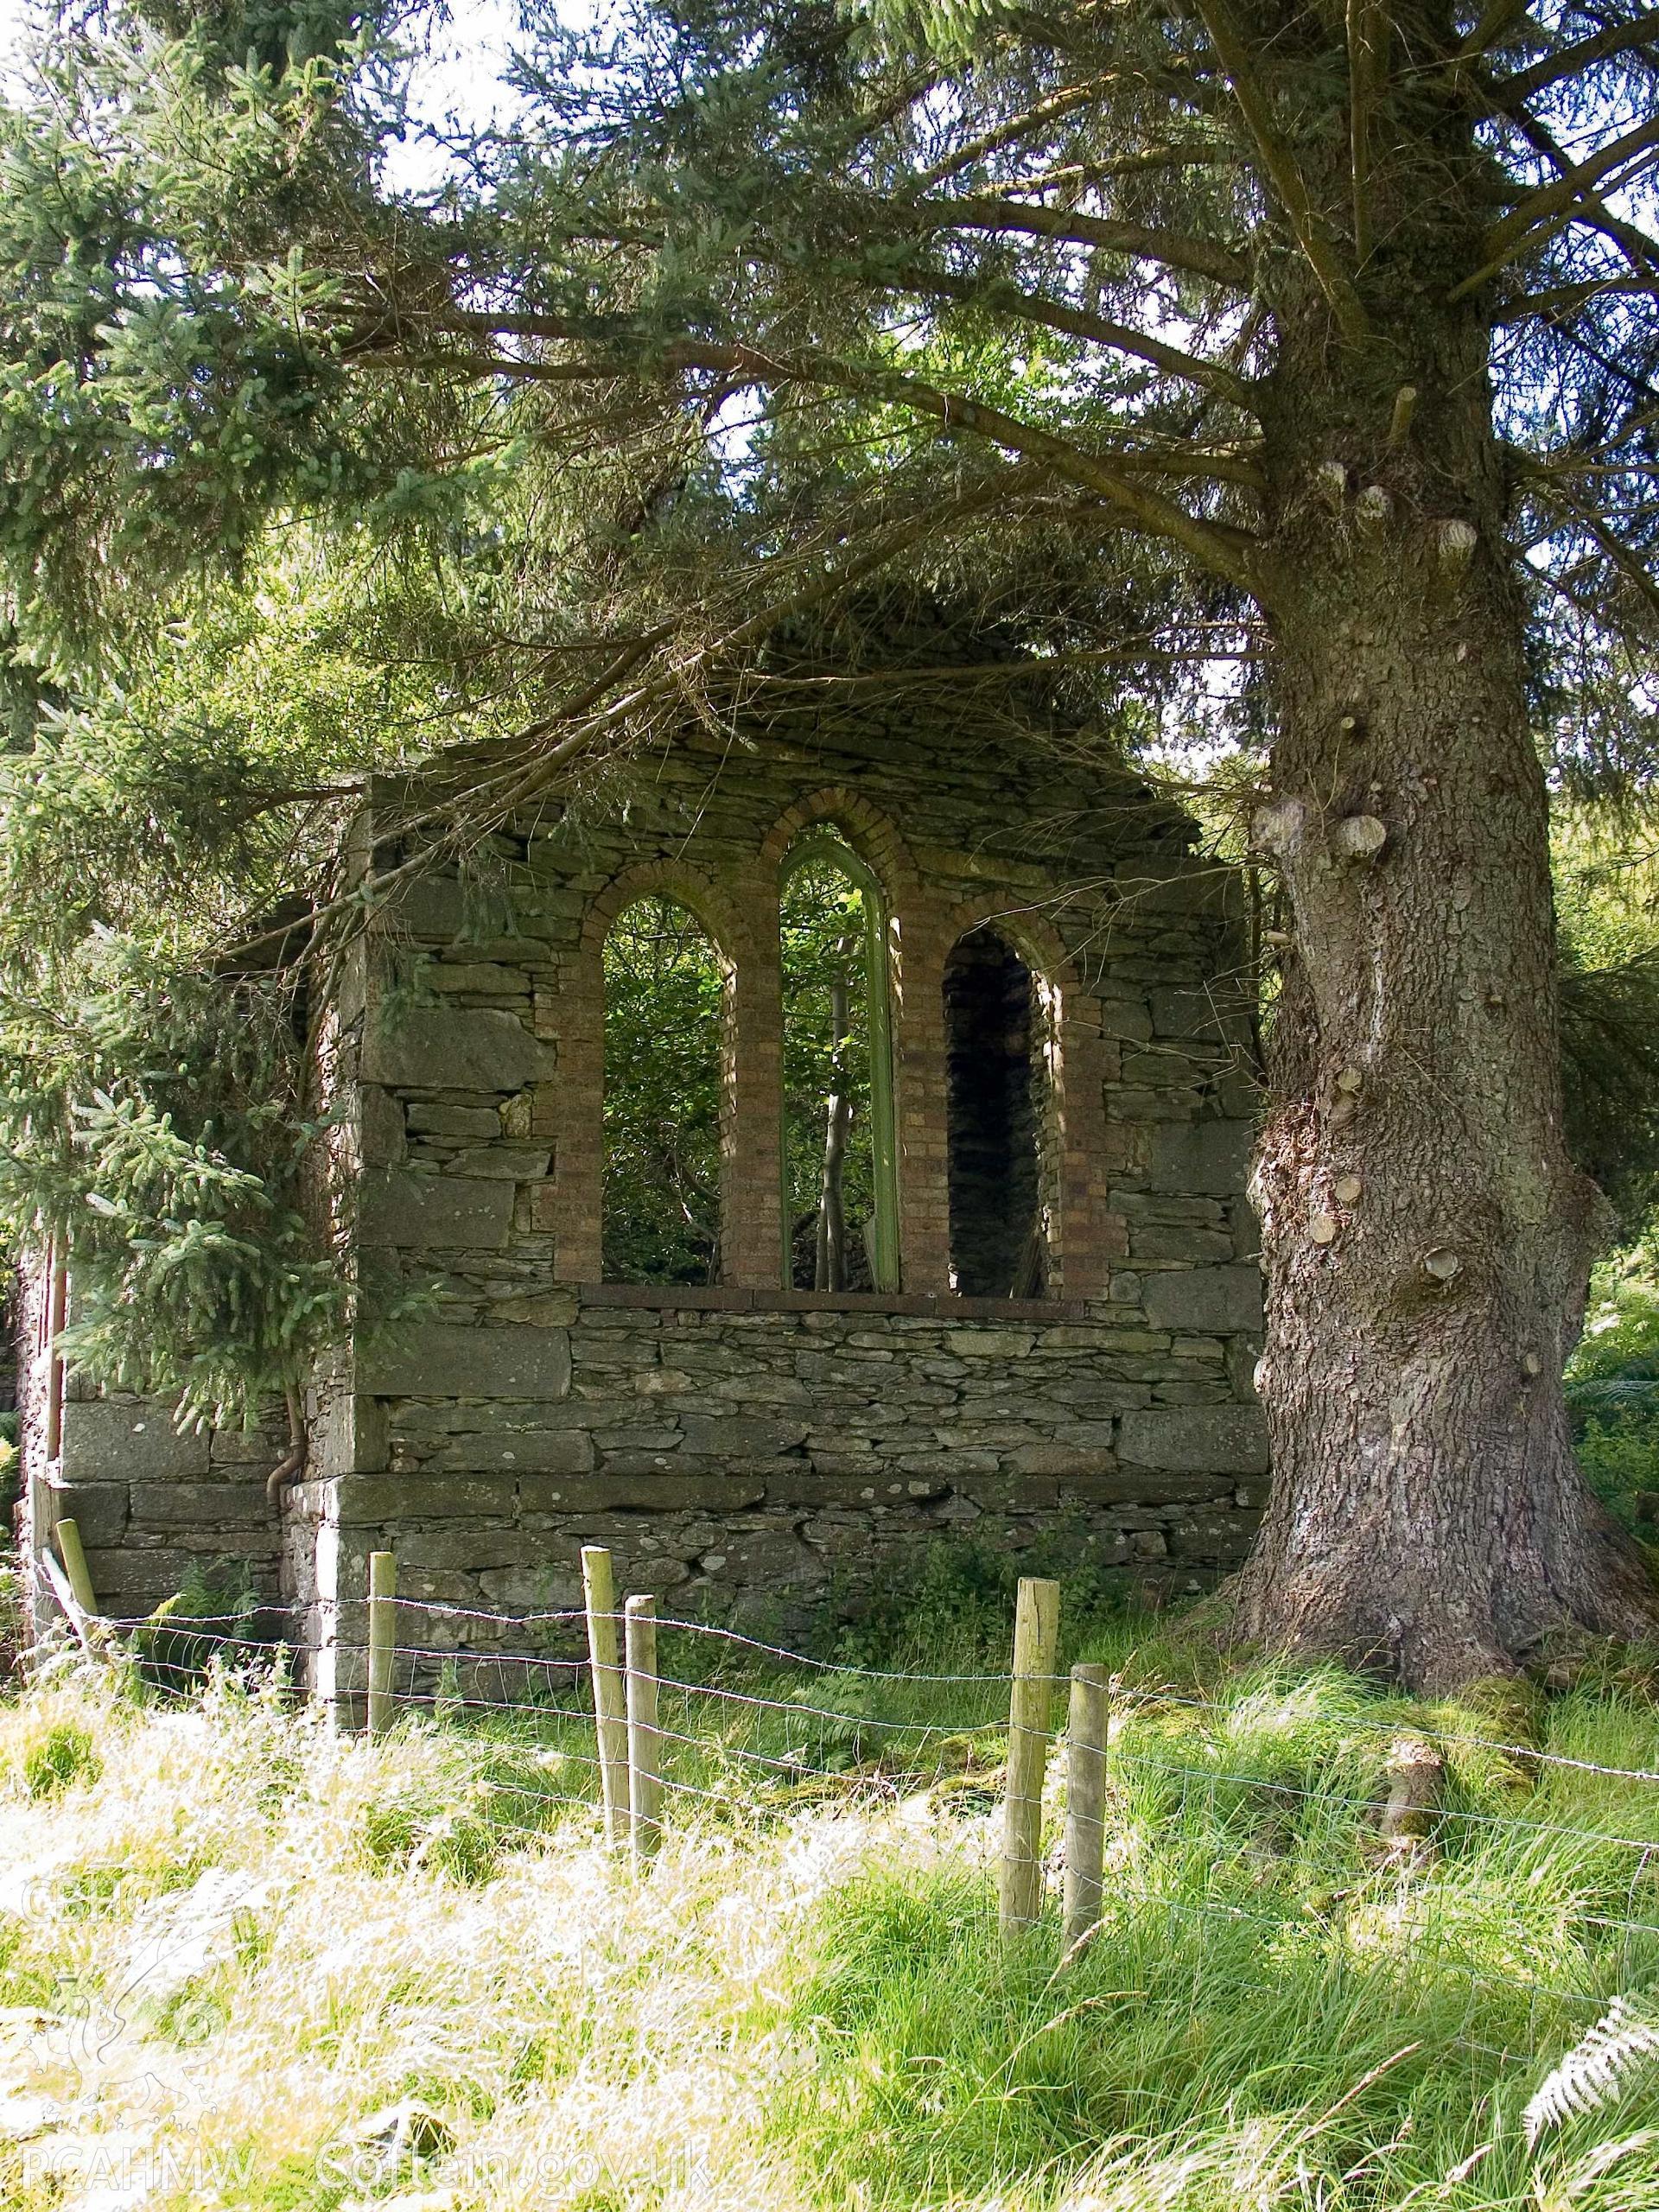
(1428, 1238)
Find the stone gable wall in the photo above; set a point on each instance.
(750, 1450)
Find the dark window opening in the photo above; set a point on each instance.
(994, 1125)
(665, 1020)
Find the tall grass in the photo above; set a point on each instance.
(247, 1962)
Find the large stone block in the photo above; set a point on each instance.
(1216, 1016)
(742, 1436)
(503, 1162)
(451, 1213)
(229, 1508)
(98, 1510)
(445, 1359)
(452, 1048)
(664, 1493)
(1218, 1299)
(534, 1450)
(1196, 1440)
(455, 1121)
(473, 914)
(127, 1439)
(1060, 1459)
(368, 1501)
(1200, 1158)
(989, 1343)
(1181, 1240)
(128, 1582)
(1145, 1487)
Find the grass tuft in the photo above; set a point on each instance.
(61, 1755)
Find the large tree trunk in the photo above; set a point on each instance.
(1427, 1239)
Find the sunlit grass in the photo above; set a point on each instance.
(247, 1961)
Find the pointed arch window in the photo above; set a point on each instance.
(998, 1023)
(667, 1001)
(841, 1181)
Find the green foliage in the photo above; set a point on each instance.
(153, 1089)
(956, 1603)
(11, 1466)
(1607, 899)
(664, 995)
(823, 932)
(150, 1123)
(456, 1815)
(62, 1756)
(185, 1637)
(1612, 1384)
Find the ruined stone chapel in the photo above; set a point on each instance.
(1052, 1326)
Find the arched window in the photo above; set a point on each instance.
(995, 1023)
(840, 1202)
(665, 995)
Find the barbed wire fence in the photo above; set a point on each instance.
(637, 1740)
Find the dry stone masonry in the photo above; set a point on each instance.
(747, 1449)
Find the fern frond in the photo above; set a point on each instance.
(1597, 2071)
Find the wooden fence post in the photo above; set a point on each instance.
(610, 1699)
(644, 1744)
(72, 1553)
(1085, 1802)
(1031, 1697)
(383, 1636)
(71, 1585)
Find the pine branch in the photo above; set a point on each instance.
(1010, 133)
(1536, 216)
(1567, 299)
(1573, 60)
(1281, 165)
(1368, 30)
(1113, 167)
(1627, 562)
(1641, 251)
(1496, 20)
(1200, 256)
(1077, 322)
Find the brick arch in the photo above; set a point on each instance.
(1084, 1235)
(1032, 937)
(747, 1239)
(871, 834)
(709, 906)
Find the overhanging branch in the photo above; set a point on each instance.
(1615, 38)
(1174, 249)
(1542, 211)
(1077, 322)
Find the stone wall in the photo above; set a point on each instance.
(761, 1457)
(749, 1449)
(151, 1505)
